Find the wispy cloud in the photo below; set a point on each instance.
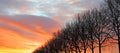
(30, 23)
(25, 32)
(49, 8)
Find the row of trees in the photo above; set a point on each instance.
(96, 28)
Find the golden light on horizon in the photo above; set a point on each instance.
(20, 38)
(27, 25)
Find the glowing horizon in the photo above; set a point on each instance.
(26, 25)
(17, 37)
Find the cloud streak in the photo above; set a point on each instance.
(47, 8)
(30, 23)
(25, 31)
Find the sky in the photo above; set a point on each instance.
(28, 24)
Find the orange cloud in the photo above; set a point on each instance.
(13, 40)
(19, 38)
(24, 27)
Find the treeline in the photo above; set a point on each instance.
(94, 29)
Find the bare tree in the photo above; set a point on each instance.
(89, 26)
(87, 31)
(114, 6)
(96, 24)
(100, 32)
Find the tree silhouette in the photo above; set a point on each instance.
(88, 31)
(114, 6)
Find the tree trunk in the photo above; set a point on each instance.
(118, 43)
(99, 47)
(118, 33)
(65, 51)
(84, 50)
(79, 50)
(92, 47)
(76, 50)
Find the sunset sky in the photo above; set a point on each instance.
(27, 24)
